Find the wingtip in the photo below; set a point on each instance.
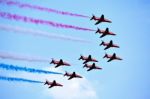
(55, 66)
(108, 61)
(105, 49)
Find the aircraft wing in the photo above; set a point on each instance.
(50, 86)
(57, 65)
(103, 35)
(85, 61)
(89, 69)
(70, 77)
(98, 22)
(110, 59)
(106, 47)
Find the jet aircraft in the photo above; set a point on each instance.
(52, 84)
(91, 67)
(87, 59)
(112, 57)
(100, 19)
(108, 45)
(72, 75)
(59, 63)
(105, 32)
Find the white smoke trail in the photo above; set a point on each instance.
(7, 55)
(17, 29)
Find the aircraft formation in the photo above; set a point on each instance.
(62, 63)
(89, 62)
(87, 59)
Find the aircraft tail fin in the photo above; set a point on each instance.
(105, 55)
(85, 65)
(98, 30)
(66, 73)
(93, 17)
(52, 61)
(46, 82)
(102, 43)
(81, 57)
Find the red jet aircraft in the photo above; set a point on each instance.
(109, 45)
(88, 59)
(72, 75)
(104, 32)
(52, 84)
(59, 63)
(99, 20)
(112, 57)
(91, 67)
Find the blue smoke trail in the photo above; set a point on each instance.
(19, 79)
(31, 70)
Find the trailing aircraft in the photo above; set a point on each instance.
(52, 84)
(59, 63)
(112, 57)
(104, 32)
(72, 75)
(91, 67)
(87, 59)
(108, 45)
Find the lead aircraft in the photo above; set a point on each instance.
(100, 19)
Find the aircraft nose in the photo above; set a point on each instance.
(120, 59)
(96, 60)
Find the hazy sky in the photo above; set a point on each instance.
(127, 79)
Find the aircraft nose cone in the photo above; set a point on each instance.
(96, 60)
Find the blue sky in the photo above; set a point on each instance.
(127, 79)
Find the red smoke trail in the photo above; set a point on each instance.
(39, 21)
(25, 5)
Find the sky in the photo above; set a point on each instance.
(126, 79)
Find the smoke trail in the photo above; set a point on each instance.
(40, 33)
(25, 69)
(19, 79)
(38, 21)
(6, 55)
(25, 5)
